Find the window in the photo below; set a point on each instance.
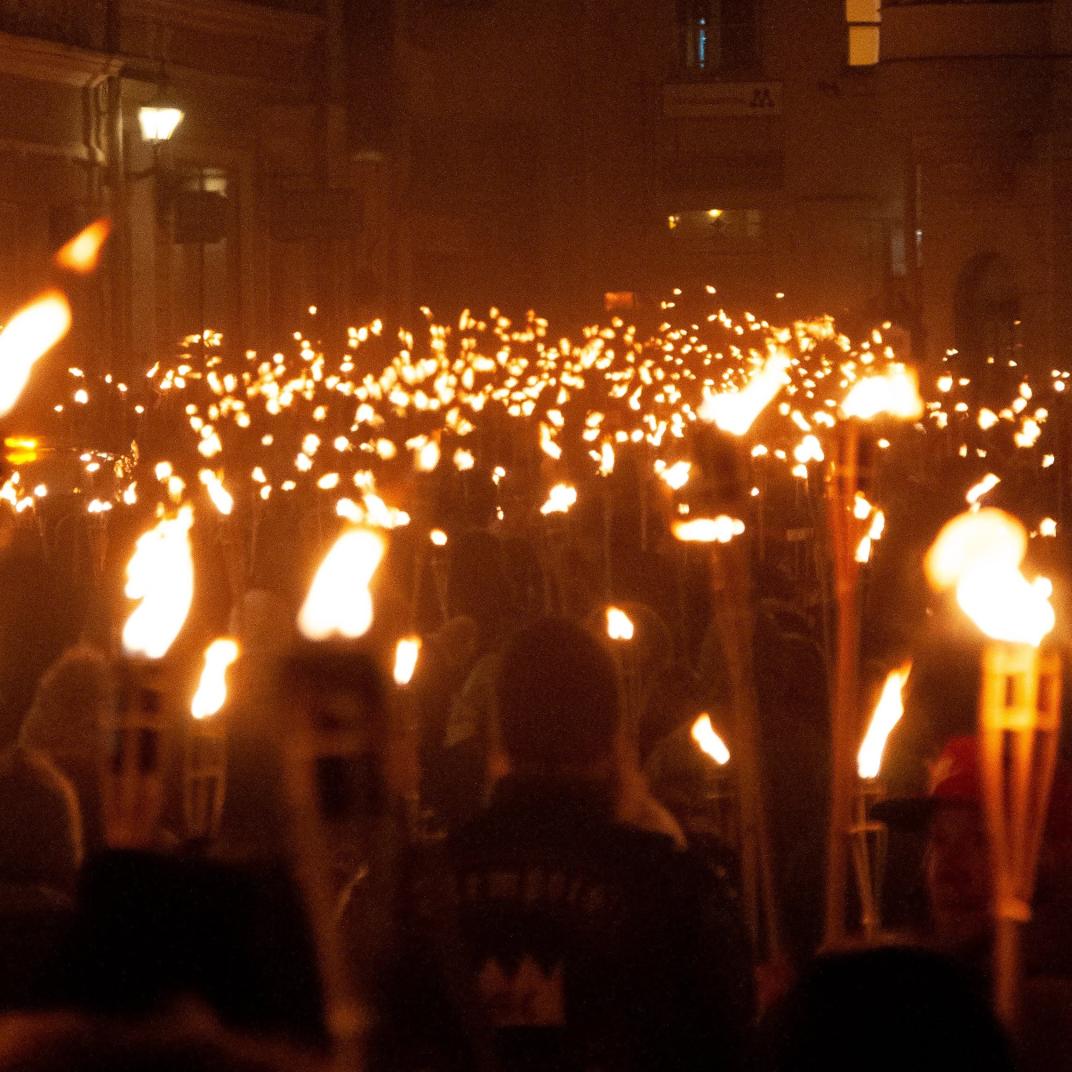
(863, 17)
(716, 35)
(717, 230)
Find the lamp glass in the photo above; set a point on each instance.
(159, 123)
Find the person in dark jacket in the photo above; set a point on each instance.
(592, 944)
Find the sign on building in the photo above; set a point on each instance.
(721, 100)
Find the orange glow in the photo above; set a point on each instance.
(895, 393)
(28, 336)
(407, 652)
(82, 252)
(339, 603)
(211, 692)
(708, 740)
(887, 714)
(719, 529)
(979, 555)
(160, 573)
(736, 411)
(619, 624)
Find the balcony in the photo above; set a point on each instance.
(80, 23)
(964, 29)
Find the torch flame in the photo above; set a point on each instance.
(559, 500)
(735, 411)
(407, 652)
(221, 498)
(704, 734)
(339, 602)
(719, 529)
(211, 692)
(619, 624)
(887, 714)
(82, 252)
(30, 334)
(895, 392)
(979, 555)
(161, 574)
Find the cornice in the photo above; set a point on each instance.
(236, 17)
(47, 61)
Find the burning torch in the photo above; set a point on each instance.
(204, 782)
(160, 574)
(867, 836)
(894, 393)
(978, 555)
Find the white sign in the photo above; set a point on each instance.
(721, 100)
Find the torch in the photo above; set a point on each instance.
(710, 509)
(979, 555)
(407, 655)
(336, 726)
(867, 836)
(204, 781)
(721, 799)
(620, 632)
(160, 574)
(894, 393)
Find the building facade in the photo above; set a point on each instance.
(256, 208)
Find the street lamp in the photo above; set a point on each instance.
(159, 120)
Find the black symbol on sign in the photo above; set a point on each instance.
(761, 98)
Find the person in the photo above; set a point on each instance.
(66, 722)
(591, 943)
(40, 854)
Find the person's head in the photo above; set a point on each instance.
(558, 701)
(72, 700)
(40, 825)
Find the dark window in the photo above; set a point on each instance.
(716, 35)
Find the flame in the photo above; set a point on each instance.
(161, 574)
(709, 742)
(407, 652)
(736, 411)
(895, 392)
(887, 714)
(438, 537)
(979, 555)
(82, 252)
(606, 459)
(21, 449)
(559, 500)
(619, 624)
(339, 603)
(719, 529)
(211, 692)
(220, 496)
(984, 487)
(30, 334)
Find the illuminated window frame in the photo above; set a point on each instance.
(864, 19)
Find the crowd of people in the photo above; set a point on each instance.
(509, 870)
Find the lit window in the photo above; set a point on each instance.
(717, 229)
(694, 19)
(863, 17)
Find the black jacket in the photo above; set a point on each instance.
(594, 945)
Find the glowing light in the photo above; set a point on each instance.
(560, 499)
(438, 537)
(736, 411)
(986, 485)
(979, 555)
(895, 392)
(211, 694)
(82, 252)
(221, 498)
(708, 740)
(28, 336)
(1047, 527)
(676, 476)
(619, 624)
(407, 652)
(160, 573)
(719, 529)
(888, 712)
(339, 603)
